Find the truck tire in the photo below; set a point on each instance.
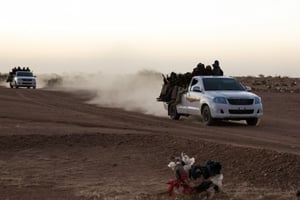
(252, 121)
(173, 112)
(206, 116)
(16, 86)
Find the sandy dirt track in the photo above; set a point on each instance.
(55, 146)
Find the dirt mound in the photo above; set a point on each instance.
(272, 84)
(133, 166)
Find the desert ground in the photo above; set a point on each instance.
(54, 145)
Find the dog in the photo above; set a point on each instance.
(181, 166)
(210, 176)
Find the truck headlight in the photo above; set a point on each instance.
(221, 100)
(257, 100)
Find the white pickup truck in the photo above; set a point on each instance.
(217, 98)
(21, 79)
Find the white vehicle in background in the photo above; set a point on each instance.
(217, 98)
(21, 79)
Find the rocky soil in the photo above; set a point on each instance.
(53, 145)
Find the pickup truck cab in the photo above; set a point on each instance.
(22, 79)
(217, 98)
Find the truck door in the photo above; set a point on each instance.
(193, 98)
(182, 107)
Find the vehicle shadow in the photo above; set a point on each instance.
(230, 123)
(221, 123)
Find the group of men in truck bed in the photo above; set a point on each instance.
(14, 70)
(176, 84)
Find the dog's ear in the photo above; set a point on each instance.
(172, 165)
(196, 172)
(217, 168)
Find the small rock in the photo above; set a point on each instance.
(265, 174)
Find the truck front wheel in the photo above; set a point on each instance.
(252, 121)
(206, 116)
(16, 86)
(173, 112)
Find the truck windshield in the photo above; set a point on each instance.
(222, 84)
(24, 74)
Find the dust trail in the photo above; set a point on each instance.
(132, 92)
(3, 78)
(49, 81)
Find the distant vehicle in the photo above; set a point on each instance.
(21, 79)
(217, 98)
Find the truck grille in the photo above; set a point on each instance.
(240, 101)
(26, 79)
(241, 111)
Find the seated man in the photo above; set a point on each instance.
(217, 71)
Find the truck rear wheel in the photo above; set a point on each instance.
(173, 112)
(206, 116)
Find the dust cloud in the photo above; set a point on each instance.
(131, 92)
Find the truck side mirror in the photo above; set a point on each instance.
(247, 88)
(196, 89)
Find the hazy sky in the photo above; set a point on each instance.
(247, 37)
